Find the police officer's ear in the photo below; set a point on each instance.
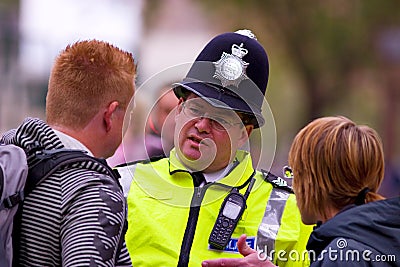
(179, 106)
(245, 134)
(249, 129)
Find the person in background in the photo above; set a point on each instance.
(159, 137)
(338, 167)
(132, 147)
(76, 216)
(195, 204)
(151, 138)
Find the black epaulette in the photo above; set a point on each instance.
(276, 181)
(143, 161)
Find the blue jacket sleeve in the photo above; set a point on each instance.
(347, 252)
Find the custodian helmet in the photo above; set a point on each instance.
(233, 69)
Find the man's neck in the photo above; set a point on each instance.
(79, 135)
(71, 142)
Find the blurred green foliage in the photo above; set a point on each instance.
(326, 41)
(327, 58)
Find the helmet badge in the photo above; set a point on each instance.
(230, 69)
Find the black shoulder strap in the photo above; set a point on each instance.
(49, 161)
(276, 181)
(1, 181)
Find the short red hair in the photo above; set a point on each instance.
(87, 76)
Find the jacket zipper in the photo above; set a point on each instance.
(190, 230)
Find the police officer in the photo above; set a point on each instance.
(196, 204)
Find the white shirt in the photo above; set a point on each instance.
(218, 175)
(71, 143)
(214, 176)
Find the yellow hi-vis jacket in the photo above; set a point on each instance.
(170, 221)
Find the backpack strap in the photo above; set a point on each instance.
(49, 161)
(13, 172)
(276, 181)
(12, 200)
(2, 185)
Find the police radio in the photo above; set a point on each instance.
(229, 215)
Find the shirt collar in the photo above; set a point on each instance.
(218, 175)
(71, 143)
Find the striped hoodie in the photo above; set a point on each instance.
(75, 217)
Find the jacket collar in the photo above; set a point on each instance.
(33, 132)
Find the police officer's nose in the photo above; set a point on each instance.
(203, 124)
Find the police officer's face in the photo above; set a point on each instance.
(206, 137)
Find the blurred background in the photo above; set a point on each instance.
(332, 57)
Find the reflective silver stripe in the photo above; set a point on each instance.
(268, 229)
